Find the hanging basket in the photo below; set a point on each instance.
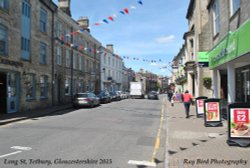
(207, 82)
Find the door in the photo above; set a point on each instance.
(3, 93)
(12, 92)
(246, 85)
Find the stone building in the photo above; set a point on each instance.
(25, 54)
(112, 68)
(76, 65)
(229, 56)
(196, 43)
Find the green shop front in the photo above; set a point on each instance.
(230, 62)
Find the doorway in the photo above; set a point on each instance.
(3, 93)
(246, 85)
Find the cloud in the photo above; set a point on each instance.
(165, 39)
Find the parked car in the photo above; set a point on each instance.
(153, 95)
(104, 97)
(86, 99)
(124, 95)
(114, 96)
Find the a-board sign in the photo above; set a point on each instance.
(199, 104)
(239, 124)
(212, 113)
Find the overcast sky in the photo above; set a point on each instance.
(151, 32)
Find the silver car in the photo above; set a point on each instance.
(86, 99)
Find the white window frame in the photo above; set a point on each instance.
(234, 6)
(216, 17)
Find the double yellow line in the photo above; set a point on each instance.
(158, 137)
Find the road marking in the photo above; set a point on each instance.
(13, 153)
(158, 137)
(142, 163)
(21, 148)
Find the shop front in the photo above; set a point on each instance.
(230, 62)
(9, 92)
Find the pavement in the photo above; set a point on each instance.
(19, 116)
(190, 144)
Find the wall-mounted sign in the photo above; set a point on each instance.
(10, 62)
(239, 124)
(199, 102)
(212, 115)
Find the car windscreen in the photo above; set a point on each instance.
(84, 95)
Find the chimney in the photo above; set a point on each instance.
(64, 5)
(110, 47)
(84, 23)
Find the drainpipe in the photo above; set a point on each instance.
(71, 72)
(52, 60)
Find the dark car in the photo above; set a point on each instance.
(114, 96)
(153, 95)
(86, 99)
(104, 97)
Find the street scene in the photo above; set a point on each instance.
(124, 84)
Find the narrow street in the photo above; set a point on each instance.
(110, 136)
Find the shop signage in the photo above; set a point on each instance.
(239, 124)
(212, 115)
(199, 103)
(232, 46)
(203, 59)
(10, 62)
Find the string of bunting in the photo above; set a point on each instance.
(113, 17)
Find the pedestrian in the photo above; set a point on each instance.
(187, 100)
(170, 94)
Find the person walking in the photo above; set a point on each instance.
(187, 99)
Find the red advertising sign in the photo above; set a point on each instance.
(239, 122)
(212, 111)
(200, 106)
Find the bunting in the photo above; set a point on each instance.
(124, 11)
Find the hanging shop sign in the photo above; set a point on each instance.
(199, 104)
(203, 59)
(212, 115)
(239, 124)
(232, 46)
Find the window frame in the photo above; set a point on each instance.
(4, 4)
(44, 86)
(234, 6)
(43, 20)
(4, 39)
(32, 83)
(216, 18)
(43, 53)
(59, 55)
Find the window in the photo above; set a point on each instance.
(81, 63)
(26, 9)
(235, 5)
(4, 4)
(30, 86)
(75, 84)
(43, 20)
(75, 61)
(43, 86)
(68, 60)
(59, 55)
(43, 53)
(25, 30)
(67, 86)
(216, 18)
(3, 40)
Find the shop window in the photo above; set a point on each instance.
(3, 40)
(43, 86)
(67, 86)
(30, 84)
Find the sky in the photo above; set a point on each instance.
(151, 31)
